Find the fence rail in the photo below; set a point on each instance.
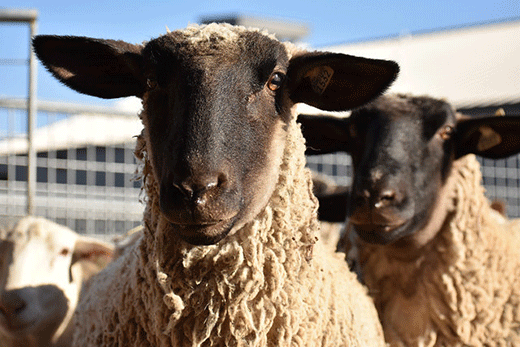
(85, 171)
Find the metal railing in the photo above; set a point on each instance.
(85, 170)
(29, 17)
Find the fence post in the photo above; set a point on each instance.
(31, 125)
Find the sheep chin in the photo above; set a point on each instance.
(384, 234)
(204, 234)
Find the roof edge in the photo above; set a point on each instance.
(423, 32)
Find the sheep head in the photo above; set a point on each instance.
(217, 99)
(42, 268)
(402, 149)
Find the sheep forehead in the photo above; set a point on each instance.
(404, 106)
(203, 34)
(39, 231)
(394, 106)
(223, 38)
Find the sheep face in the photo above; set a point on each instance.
(41, 271)
(216, 129)
(217, 99)
(401, 161)
(402, 151)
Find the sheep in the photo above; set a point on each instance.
(42, 268)
(228, 255)
(442, 265)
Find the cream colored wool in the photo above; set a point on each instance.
(463, 287)
(268, 284)
(330, 233)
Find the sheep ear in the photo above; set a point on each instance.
(93, 251)
(490, 137)
(103, 68)
(325, 134)
(338, 82)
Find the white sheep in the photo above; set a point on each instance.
(42, 268)
(442, 265)
(228, 255)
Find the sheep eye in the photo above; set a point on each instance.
(275, 81)
(446, 132)
(64, 252)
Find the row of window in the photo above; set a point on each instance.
(79, 177)
(120, 155)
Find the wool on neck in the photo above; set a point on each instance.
(245, 273)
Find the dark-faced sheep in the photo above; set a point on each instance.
(42, 268)
(226, 256)
(442, 265)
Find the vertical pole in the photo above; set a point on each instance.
(31, 125)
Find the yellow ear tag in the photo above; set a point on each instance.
(489, 138)
(320, 78)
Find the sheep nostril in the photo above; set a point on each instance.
(197, 189)
(20, 307)
(185, 190)
(386, 198)
(12, 303)
(388, 195)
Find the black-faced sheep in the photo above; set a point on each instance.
(42, 268)
(223, 162)
(442, 265)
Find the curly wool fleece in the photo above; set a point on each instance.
(463, 289)
(257, 287)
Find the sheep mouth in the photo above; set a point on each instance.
(206, 233)
(14, 329)
(381, 233)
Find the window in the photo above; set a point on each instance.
(61, 176)
(61, 154)
(119, 180)
(81, 226)
(100, 178)
(41, 174)
(119, 155)
(21, 173)
(81, 154)
(3, 172)
(81, 177)
(100, 154)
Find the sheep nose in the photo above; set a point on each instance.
(377, 199)
(196, 189)
(12, 303)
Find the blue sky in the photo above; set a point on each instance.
(331, 22)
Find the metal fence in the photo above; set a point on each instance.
(30, 18)
(85, 167)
